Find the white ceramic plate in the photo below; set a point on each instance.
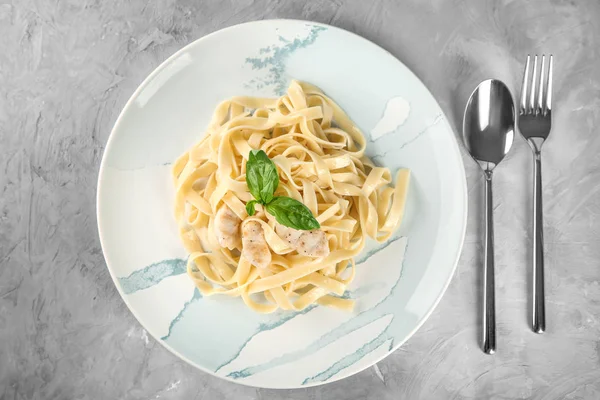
(397, 284)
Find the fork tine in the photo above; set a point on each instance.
(549, 85)
(540, 100)
(533, 79)
(524, 86)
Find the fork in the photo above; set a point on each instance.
(535, 119)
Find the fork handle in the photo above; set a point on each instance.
(489, 307)
(538, 321)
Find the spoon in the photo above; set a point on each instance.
(488, 132)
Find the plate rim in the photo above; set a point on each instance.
(160, 68)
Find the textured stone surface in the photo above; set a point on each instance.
(68, 67)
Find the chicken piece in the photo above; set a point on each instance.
(289, 235)
(255, 248)
(307, 243)
(227, 227)
(313, 244)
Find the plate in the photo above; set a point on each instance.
(397, 284)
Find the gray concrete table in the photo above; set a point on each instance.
(68, 67)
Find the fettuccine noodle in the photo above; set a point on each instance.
(319, 154)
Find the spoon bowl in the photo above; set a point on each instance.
(489, 123)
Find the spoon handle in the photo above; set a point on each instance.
(489, 306)
(538, 323)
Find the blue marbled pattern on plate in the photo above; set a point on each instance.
(152, 275)
(273, 58)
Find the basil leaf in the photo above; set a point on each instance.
(250, 207)
(292, 213)
(262, 177)
(253, 179)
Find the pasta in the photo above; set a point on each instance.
(319, 154)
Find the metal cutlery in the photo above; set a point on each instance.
(488, 133)
(535, 121)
